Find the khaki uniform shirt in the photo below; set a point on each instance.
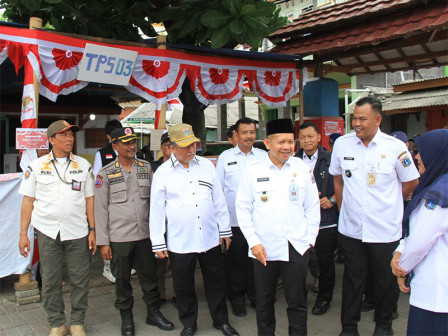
(60, 190)
(122, 202)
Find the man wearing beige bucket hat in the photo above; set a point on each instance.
(186, 191)
(58, 202)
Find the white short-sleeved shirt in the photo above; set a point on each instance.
(193, 204)
(59, 206)
(230, 168)
(289, 213)
(372, 200)
(425, 253)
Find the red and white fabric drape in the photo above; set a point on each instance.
(158, 74)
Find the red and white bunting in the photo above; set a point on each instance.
(158, 74)
(216, 85)
(274, 87)
(156, 80)
(57, 70)
(28, 115)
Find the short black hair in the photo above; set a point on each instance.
(244, 120)
(230, 131)
(309, 124)
(375, 103)
(112, 125)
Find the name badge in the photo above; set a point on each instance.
(263, 179)
(76, 185)
(232, 163)
(293, 192)
(371, 179)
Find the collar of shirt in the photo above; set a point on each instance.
(271, 164)
(375, 140)
(313, 157)
(50, 157)
(238, 151)
(175, 162)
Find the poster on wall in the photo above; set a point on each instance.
(31, 138)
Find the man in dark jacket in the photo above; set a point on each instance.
(318, 159)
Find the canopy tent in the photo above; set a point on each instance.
(158, 74)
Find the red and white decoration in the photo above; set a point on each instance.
(156, 80)
(158, 74)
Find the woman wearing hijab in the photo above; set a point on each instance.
(421, 258)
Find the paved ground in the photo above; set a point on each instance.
(103, 320)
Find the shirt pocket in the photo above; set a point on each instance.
(204, 190)
(144, 188)
(118, 193)
(232, 168)
(349, 164)
(386, 172)
(46, 187)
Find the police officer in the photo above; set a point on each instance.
(277, 206)
(122, 209)
(238, 266)
(58, 202)
(318, 159)
(372, 173)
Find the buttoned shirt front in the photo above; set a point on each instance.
(122, 202)
(193, 204)
(60, 191)
(311, 162)
(372, 200)
(230, 168)
(424, 253)
(276, 206)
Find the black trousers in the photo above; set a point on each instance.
(139, 254)
(359, 257)
(239, 270)
(183, 267)
(293, 273)
(423, 322)
(326, 243)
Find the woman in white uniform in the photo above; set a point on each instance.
(420, 261)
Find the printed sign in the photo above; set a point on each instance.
(331, 127)
(106, 65)
(31, 138)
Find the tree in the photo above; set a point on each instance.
(213, 23)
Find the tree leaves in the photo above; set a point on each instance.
(215, 23)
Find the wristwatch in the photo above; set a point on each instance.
(91, 229)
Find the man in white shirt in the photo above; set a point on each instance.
(372, 173)
(237, 265)
(58, 203)
(277, 206)
(187, 193)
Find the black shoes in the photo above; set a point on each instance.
(349, 333)
(226, 329)
(155, 318)
(320, 307)
(188, 331)
(383, 332)
(239, 309)
(395, 315)
(127, 322)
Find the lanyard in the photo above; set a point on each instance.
(65, 172)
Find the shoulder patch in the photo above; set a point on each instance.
(99, 181)
(27, 174)
(430, 205)
(399, 156)
(405, 161)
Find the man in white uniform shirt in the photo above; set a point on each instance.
(372, 173)
(187, 192)
(277, 207)
(237, 265)
(58, 203)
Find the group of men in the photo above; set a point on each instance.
(249, 221)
